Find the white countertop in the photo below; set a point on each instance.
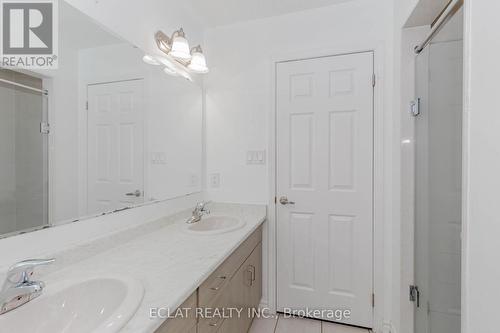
(169, 262)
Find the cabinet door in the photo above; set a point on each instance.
(246, 292)
(254, 277)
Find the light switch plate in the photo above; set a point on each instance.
(256, 157)
(158, 158)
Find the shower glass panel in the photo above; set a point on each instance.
(23, 151)
(438, 181)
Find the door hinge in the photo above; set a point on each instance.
(373, 300)
(415, 107)
(87, 105)
(275, 200)
(415, 295)
(44, 128)
(374, 80)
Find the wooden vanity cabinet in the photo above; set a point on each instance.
(236, 283)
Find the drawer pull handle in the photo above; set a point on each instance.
(223, 279)
(251, 275)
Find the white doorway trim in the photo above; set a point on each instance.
(382, 195)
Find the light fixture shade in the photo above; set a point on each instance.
(180, 48)
(150, 60)
(198, 62)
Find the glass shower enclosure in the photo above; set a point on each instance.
(438, 135)
(23, 153)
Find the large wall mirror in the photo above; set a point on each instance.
(112, 132)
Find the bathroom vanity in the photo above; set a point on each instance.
(163, 264)
(235, 284)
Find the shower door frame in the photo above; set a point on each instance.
(422, 243)
(46, 161)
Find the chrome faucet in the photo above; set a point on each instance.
(198, 212)
(18, 289)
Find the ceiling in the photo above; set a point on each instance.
(215, 13)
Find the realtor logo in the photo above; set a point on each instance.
(29, 33)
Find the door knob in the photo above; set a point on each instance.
(137, 193)
(284, 201)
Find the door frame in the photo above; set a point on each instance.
(382, 147)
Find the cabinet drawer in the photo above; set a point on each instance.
(212, 324)
(215, 284)
(182, 324)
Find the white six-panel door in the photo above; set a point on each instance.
(115, 146)
(325, 170)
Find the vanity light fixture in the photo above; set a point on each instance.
(177, 51)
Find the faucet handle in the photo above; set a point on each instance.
(21, 271)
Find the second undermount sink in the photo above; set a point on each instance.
(213, 225)
(99, 305)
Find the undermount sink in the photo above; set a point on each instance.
(99, 305)
(215, 225)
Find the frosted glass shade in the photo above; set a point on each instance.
(198, 63)
(180, 48)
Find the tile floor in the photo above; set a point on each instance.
(300, 325)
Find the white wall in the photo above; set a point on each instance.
(481, 227)
(239, 103)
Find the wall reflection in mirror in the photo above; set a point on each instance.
(111, 132)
